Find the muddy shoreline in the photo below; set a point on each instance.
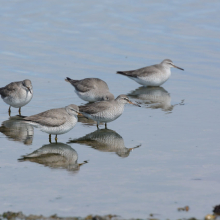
(20, 215)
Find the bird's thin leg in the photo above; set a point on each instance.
(9, 111)
(19, 111)
(97, 125)
(56, 138)
(106, 126)
(50, 138)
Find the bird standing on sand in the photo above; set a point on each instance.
(17, 94)
(154, 75)
(91, 89)
(105, 111)
(55, 121)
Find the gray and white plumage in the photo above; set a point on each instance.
(55, 155)
(105, 111)
(17, 94)
(155, 97)
(91, 89)
(17, 130)
(55, 121)
(105, 140)
(154, 75)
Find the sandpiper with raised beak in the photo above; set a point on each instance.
(154, 75)
(17, 94)
(55, 121)
(91, 89)
(105, 111)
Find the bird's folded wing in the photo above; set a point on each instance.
(83, 86)
(7, 90)
(50, 118)
(93, 108)
(79, 85)
(142, 72)
(88, 84)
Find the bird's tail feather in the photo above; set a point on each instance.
(122, 73)
(70, 80)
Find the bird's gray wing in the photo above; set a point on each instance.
(84, 85)
(93, 108)
(142, 72)
(9, 89)
(78, 84)
(50, 118)
(87, 84)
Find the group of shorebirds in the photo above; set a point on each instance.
(102, 106)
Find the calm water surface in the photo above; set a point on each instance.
(175, 135)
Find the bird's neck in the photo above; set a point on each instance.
(167, 70)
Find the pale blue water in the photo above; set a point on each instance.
(178, 161)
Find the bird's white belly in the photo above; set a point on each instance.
(89, 96)
(62, 129)
(108, 115)
(153, 80)
(19, 101)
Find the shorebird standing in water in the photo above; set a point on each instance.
(55, 121)
(17, 94)
(154, 75)
(91, 89)
(105, 111)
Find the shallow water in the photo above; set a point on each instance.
(177, 127)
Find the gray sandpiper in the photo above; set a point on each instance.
(105, 111)
(91, 89)
(17, 94)
(154, 75)
(55, 121)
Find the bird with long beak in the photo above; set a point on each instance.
(17, 94)
(55, 121)
(105, 111)
(154, 75)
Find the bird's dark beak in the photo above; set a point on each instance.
(80, 164)
(177, 67)
(131, 149)
(134, 103)
(29, 89)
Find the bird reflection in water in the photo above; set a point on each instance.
(17, 130)
(105, 140)
(154, 97)
(55, 155)
(88, 121)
